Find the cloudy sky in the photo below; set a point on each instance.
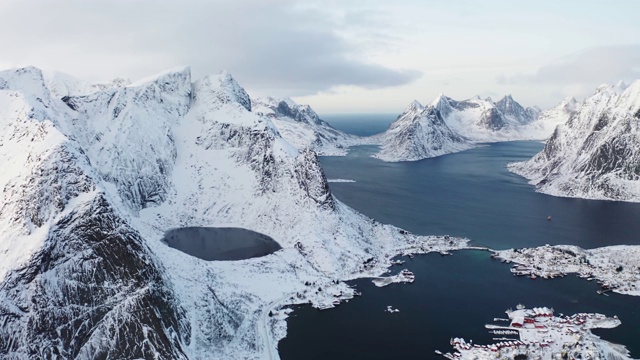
(339, 56)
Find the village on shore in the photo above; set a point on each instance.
(616, 268)
(538, 334)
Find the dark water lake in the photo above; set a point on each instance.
(467, 194)
(209, 243)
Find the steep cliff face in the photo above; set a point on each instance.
(418, 133)
(302, 127)
(91, 183)
(127, 133)
(595, 154)
(90, 291)
(76, 280)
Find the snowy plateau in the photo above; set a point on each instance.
(596, 153)
(447, 126)
(92, 177)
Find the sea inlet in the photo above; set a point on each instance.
(468, 194)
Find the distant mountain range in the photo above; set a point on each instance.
(447, 126)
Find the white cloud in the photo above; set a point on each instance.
(273, 46)
(593, 66)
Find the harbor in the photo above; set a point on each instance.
(540, 334)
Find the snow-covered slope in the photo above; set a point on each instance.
(302, 127)
(548, 120)
(419, 133)
(127, 133)
(595, 155)
(482, 120)
(76, 281)
(90, 184)
(61, 84)
(446, 126)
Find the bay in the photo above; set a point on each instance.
(468, 194)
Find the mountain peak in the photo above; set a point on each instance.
(630, 98)
(221, 88)
(506, 99)
(182, 70)
(27, 79)
(569, 103)
(438, 100)
(418, 133)
(415, 105)
(509, 106)
(621, 85)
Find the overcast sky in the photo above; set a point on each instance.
(339, 56)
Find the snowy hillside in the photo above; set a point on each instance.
(419, 133)
(482, 120)
(595, 155)
(91, 183)
(548, 120)
(446, 126)
(301, 126)
(61, 84)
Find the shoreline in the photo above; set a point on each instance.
(616, 268)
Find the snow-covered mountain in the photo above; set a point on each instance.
(548, 120)
(595, 155)
(91, 182)
(418, 133)
(482, 120)
(447, 126)
(61, 84)
(302, 127)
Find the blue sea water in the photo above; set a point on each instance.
(467, 194)
(360, 124)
